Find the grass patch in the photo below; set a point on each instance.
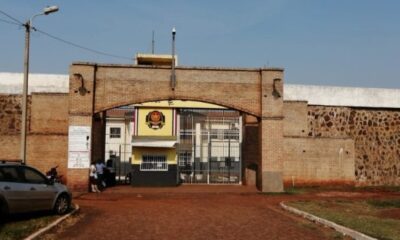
(391, 203)
(21, 226)
(288, 191)
(344, 188)
(293, 191)
(379, 188)
(363, 216)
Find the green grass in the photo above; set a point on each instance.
(287, 191)
(383, 188)
(363, 216)
(391, 203)
(345, 188)
(22, 226)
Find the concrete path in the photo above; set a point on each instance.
(188, 212)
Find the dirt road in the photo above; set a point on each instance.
(187, 212)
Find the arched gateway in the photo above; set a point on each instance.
(94, 88)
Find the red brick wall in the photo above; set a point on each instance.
(10, 147)
(49, 113)
(46, 151)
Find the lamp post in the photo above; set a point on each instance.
(173, 76)
(28, 27)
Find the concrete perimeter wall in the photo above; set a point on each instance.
(318, 161)
(330, 137)
(376, 135)
(314, 160)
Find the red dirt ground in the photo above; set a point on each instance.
(189, 212)
(390, 213)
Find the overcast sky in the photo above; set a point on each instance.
(320, 42)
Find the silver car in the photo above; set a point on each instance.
(25, 189)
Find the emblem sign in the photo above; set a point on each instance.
(155, 120)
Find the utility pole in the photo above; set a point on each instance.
(24, 123)
(28, 27)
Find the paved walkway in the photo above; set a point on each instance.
(187, 212)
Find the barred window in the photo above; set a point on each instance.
(154, 163)
(115, 132)
(185, 159)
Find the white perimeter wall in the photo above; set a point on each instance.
(343, 96)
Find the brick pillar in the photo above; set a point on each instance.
(98, 136)
(271, 131)
(81, 109)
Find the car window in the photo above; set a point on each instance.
(32, 176)
(9, 174)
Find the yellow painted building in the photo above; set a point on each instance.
(166, 151)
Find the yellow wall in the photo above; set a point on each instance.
(180, 104)
(145, 130)
(137, 153)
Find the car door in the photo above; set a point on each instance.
(13, 189)
(39, 191)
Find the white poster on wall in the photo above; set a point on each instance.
(79, 146)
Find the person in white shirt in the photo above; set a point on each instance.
(100, 172)
(93, 178)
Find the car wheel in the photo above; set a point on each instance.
(62, 204)
(3, 211)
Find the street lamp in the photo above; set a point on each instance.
(173, 76)
(28, 27)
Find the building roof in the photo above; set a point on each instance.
(155, 59)
(156, 143)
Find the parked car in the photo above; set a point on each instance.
(25, 189)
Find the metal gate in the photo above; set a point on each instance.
(209, 149)
(118, 147)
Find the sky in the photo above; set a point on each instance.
(318, 42)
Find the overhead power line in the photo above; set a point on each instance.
(11, 17)
(9, 22)
(82, 47)
(17, 22)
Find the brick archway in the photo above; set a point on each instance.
(95, 88)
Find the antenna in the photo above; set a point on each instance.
(152, 43)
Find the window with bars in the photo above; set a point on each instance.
(152, 162)
(185, 159)
(115, 132)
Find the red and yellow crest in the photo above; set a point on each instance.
(155, 120)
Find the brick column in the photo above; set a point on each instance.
(271, 130)
(98, 136)
(81, 108)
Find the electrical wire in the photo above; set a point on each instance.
(82, 47)
(9, 22)
(17, 22)
(11, 17)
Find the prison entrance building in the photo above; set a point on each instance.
(264, 132)
(174, 142)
